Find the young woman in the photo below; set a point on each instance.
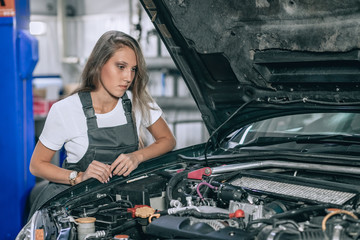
(99, 124)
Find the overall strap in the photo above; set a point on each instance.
(88, 109)
(128, 114)
(127, 107)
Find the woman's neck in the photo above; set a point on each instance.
(103, 102)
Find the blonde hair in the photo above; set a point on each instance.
(104, 49)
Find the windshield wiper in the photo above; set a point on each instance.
(336, 138)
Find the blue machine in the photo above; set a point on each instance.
(19, 55)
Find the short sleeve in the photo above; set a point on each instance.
(155, 114)
(53, 135)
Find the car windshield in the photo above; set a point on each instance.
(314, 124)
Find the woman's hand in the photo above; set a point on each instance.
(164, 142)
(98, 170)
(125, 164)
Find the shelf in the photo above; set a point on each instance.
(154, 63)
(177, 103)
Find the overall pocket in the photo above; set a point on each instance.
(109, 154)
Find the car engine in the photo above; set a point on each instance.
(196, 202)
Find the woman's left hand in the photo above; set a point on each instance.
(124, 164)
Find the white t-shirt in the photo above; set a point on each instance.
(66, 124)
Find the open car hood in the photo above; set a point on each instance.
(279, 57)
(243, 61)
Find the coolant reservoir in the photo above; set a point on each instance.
(86, 226)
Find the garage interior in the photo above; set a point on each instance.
(62, 35)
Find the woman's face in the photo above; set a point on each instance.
(118, 72)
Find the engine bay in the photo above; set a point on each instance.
(194, 202)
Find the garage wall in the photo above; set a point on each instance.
(88, 20)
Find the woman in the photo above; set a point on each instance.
(98, 125)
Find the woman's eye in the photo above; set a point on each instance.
(121, 66)
(134, 69)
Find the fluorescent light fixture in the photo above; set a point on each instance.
(37, 28)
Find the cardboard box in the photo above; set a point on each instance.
(41, 106)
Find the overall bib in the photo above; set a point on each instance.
(105, 145)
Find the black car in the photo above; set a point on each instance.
(277, 83)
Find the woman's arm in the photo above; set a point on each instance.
(164, 142)
(41, 166)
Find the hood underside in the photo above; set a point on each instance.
(297, 55)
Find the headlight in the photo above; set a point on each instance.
(28, 231)
(41, 226)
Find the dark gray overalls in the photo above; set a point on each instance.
(105, 145)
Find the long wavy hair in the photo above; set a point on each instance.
(104, 49)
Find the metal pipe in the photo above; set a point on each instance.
(62, 34)
(61, 27)
(280, 164)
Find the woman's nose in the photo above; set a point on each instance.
(128, 75)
